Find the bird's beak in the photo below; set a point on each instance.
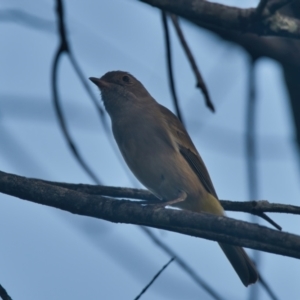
(100, 83)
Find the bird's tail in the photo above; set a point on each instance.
(241, 262)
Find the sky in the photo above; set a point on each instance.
(51, 254)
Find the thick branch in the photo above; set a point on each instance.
(203, 13)
(120, 192)
(221, 229)
(3, 294)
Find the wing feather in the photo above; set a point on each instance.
(188, 150)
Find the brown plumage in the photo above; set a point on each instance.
(161, 154)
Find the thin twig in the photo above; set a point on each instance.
(250, 146)
(170, 65)
(250, 139)
(88, 90)
(3, 294)
(99, 109)
(267, 288)
(61, 119)
(260, 206)
(65, 48)
(200, 281)
(268, 219)
(153, 279)
(200, 82)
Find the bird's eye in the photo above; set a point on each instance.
(126, 78)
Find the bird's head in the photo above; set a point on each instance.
(120, 89)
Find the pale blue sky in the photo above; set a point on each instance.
(49, 254)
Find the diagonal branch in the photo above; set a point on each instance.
(153, 279)
(170, 65)
(3, 294)
(200, 82)
(267, 288)
(64, 48)
(61, 119)
(211, 227)
(200, 281)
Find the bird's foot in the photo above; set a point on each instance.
(181, 197)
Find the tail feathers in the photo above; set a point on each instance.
(242, 264)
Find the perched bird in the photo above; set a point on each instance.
(161, 154)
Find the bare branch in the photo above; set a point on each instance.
(200, 281)
(170, 65)
(153, 279)
(261, 7)
(260, 206)
(65, 48)
(3, 293)
(206, 13)
(200, 82)
(211, 227)
(252, 207)
(275, 5)
(267, 288)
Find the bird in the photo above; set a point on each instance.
(160, 153)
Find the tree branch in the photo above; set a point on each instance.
(211, 227)
(153, 279)
(121, 192)
(170, 65)
(200, 82)
(261, 7)
(200, 281)
(206, 13)
(3, 294)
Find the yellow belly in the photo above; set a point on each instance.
(166, 174)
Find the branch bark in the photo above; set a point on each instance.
(204, 13)
(3, 294)
(221, 229)
(257, 37)
(121, 192)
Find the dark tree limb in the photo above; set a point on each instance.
(139, 194)
(261, 7)
(284, 50)
(206, 13)
(211, 227)
(276, 5)
(3, 294)
(256, 43)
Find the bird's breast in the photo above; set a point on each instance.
(157, 163)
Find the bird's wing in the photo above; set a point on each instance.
(188, 150)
